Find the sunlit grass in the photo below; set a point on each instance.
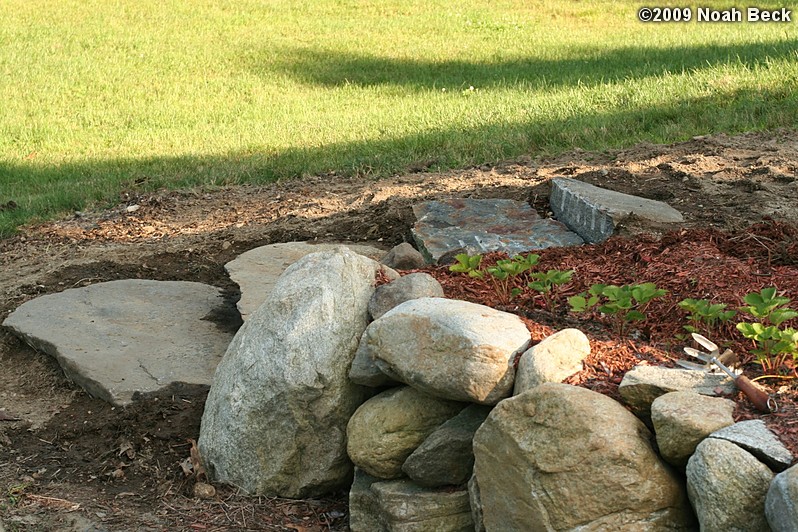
(96, 97)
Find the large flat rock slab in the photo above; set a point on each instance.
(472, 226)
(256, 270)
(593, 212)
(121, 337)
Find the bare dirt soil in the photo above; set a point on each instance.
(71, 462)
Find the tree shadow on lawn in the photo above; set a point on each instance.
(48, 191)
(588, 66)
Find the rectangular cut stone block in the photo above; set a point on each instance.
(593, 212)
(482, 225)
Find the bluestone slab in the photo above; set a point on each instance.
(754, 436)
(474, 226)
(122, 337)
(593, 212)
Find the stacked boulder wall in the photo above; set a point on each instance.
(447, 348)
(275, 419)
(559, 457)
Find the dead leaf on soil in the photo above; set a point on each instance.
(53, 502)
(4, 416)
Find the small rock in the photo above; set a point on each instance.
(447, 456)
(552, 360)
(727, 487)
(754, 436)
(683, 419)
(781, 503)
(413, 286)
(132, 208)
(387, 428)
(404, 257)
(226, 245)
(643, 384)
(202, 490)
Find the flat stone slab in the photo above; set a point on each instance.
(257, 270)
(121, 337)
(593, 212)
(472, 226)
(754, 436)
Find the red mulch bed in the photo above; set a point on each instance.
(695, 263)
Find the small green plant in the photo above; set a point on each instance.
(501, 274)
(548, 284)
(467, 264)
(704, 315)
(624, 304)
(773, 343)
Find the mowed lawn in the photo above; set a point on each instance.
(97, 97)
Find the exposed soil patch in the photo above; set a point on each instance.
(122, 466)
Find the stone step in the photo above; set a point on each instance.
(593, 212)
(447, 227)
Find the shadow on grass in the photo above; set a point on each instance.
(47, 191)
(587, 66)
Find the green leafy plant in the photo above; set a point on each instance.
(501, 274)
(705, 316)
(624, 304)
(548, 284)
(467, 264)
(773, 344)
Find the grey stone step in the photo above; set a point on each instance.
(593, 212)
(447, 227)
(121, 337)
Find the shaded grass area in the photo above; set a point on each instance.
(101, 99)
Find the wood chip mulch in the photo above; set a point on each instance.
(690, 263)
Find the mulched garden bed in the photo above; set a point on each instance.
(691, 263)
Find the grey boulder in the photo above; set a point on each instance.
(552, 360)
(275, 419)
(121, 337)
(781, 503)
(403, 506)
(683, 419)
(446, 457)
(447, 348)
(387, 428)
(404, 257)
(754, 436)
(561, 457)
(642, 384)
(412, 286)
(727, 487)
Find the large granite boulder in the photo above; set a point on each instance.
(682, 419)
(781, 503)
(402, 506)
(387, 428)
(552, 360)
(120, 338)
(560, 457)
(447, 456)
(727, 487)
(447, 348)
(275, 419)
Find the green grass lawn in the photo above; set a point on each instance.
(97, 97)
